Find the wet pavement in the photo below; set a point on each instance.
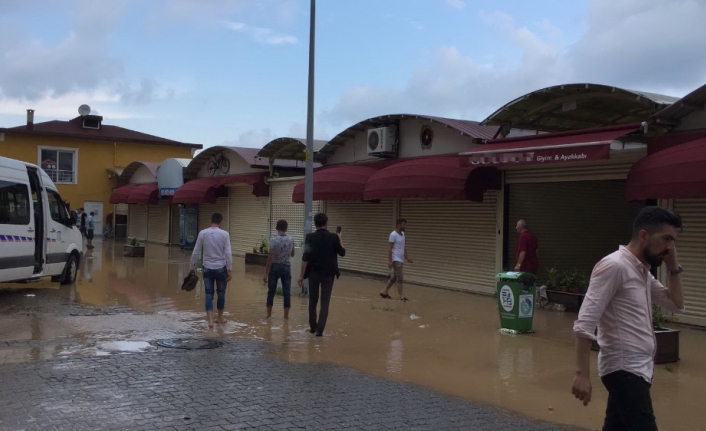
(61, 350)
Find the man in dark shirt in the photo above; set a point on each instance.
(320, 266)
(527, 250)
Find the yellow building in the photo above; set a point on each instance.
(84, 157)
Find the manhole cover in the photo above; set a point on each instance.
(189, 343)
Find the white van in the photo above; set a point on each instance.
(38, 236)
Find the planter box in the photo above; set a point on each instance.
(667, 346)
(572, 301)
(134, 250)
(256, 259)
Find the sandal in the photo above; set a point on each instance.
(385, 296)
(404, 299)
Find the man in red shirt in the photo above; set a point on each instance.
(527, 250)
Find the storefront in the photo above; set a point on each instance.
(138, 191)
(282, 208)
(570, 189)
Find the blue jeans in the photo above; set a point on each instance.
(279, 271)
(218, 277)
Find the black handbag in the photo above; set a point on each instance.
(190, 282)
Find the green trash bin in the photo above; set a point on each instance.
(516, 292)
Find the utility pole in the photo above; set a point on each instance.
(309, 171)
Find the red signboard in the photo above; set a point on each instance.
(537, 155)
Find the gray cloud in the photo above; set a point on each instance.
(645, 45)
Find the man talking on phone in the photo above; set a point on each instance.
(320, 266)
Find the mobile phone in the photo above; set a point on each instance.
(338, 229)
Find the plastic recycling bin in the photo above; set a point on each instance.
(516, 293)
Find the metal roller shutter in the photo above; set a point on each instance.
(576, 223)
(207, 210)
(137, 222)
(452, 243)
(366, 228)
(248, 219)
(282, 207)
(691, 249)
(121, 209)
(158, 223)
(616, 168)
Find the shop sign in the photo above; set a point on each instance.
(166, 191)
(559, 154)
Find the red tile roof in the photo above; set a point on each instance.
(73, 129)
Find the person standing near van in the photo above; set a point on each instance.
(279, 267)
(217, 265)
(396, 255)
(89, 230)
(84, 216)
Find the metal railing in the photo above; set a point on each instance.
(59, 176)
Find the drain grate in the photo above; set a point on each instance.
(189, 343)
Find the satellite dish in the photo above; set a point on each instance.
(84, 110)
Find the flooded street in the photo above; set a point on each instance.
(443, 340)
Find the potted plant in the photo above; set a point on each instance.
(567, 288)
(259, 254)
(667, 339)
(134, 248)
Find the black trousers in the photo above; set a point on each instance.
(324, 284)
(629, 403)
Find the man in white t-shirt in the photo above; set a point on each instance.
(397, 254)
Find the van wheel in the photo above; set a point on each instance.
(69, 275)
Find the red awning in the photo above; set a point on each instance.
(144, 194)
(438, 177)
(120, 195)
(575, 146)
(677, 172)
(339, 183)
(204, 190)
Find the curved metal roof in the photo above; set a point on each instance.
(130, 169)
(288, 149)
(472, 129)
(195, 165)
(578, 106)
(673, 114)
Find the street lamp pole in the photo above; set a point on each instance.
(309, 172)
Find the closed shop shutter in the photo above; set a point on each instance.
(616, 168)
(282, 208)
(137, 222)
(576, 223)
(691, 249)
(248, 219)
(158, 223)
(121, 209)
(207, 210)
(451, 243)
(366, 229)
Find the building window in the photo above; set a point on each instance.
(59, 164)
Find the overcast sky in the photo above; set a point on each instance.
(235, 71)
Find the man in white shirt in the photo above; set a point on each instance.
(619, 303)
(396, 255)
(217, 265)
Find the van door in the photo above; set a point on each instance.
(17, 231)
(58, 233)
(38, 218)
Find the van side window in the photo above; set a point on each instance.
(14, 203)
(57, 210)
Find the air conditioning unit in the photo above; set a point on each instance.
(381, 141)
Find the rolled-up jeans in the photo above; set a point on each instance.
(219, 278)
(279, 271)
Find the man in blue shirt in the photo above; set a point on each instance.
(90, 229)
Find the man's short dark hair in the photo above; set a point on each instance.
(400, 221)
(92, 213)
(216, 218)
(320, 220)
(282, 225)
(653, 218)
(80, 209)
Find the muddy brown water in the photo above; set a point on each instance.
(452, 344)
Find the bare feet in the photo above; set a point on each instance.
(209, 318)
(221, 320)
